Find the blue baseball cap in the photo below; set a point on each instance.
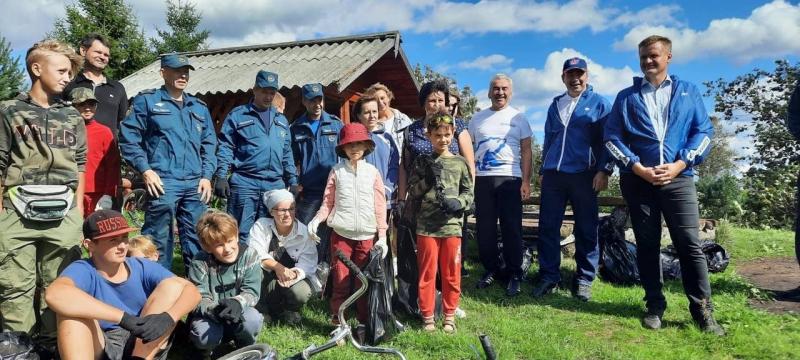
(175, 61)
(574, 63)
(266, 79)
(311, 91)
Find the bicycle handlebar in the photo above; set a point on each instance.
(349, 263)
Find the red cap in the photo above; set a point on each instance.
(354, 132)
(104, 224)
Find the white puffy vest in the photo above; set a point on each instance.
(353, 214)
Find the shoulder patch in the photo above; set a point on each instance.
(147, 91)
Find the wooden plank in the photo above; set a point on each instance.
(601, 201)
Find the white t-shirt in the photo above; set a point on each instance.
(497, 136)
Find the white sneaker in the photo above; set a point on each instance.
(461, 314)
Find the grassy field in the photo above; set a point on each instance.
(608, 327)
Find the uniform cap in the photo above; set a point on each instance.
(266, 79)
(175, 61)
(311, 91)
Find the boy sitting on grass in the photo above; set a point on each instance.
(228, 275)
(112, 306)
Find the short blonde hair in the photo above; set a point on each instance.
(49, 47)
(216, 227)
(652, 39)
(143, 243)
(372, 89)
(279, 100)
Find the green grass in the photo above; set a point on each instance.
(608, 327)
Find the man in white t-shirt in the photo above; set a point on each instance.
(502, 138)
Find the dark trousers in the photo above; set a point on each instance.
(557, 189)
(677, 202)
(499, 197)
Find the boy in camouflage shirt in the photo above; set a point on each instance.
(441, 186)
(42, 142)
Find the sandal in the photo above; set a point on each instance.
(449, 324)
(428, 324)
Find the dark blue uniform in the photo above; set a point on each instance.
(315, 153)
(257, 149)
(177, 141)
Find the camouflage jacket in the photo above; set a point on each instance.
(40, 146)
(453, 181)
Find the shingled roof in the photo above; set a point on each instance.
(333, 62)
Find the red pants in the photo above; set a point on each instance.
(446, 253)
(90, 200)
(358, 252)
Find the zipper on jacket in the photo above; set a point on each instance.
(564, 137)
(46, 136)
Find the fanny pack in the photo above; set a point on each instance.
(42, 202)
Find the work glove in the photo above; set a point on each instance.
(313, 225)
(397, 209)
(221, 187)
(155, 326)
(381, 244)
(132, 323)
(229, 310)
(452, 206)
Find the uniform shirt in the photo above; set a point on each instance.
(112, 101)
(497, 136)
(102, 160)
(456, 181)
(657, 101)
(40, 146)
(315, 151)
(176, 139)
(215, 280)
(256, 145)
(129, 295)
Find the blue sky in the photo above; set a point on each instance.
(472, 40)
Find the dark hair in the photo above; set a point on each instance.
(440, 119)
(431, 87)
(89, 39)
(360, 104)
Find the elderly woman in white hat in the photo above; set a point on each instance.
(288, 257)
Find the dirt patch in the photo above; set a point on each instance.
(778, 276)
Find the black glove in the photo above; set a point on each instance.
(452, 206)
(295, 190)
(221, 187)
(131, 323)
(155, 326)
(229, 310)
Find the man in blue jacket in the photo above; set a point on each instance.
(658, 130)
(255, 144)
(575, 168)
(168, 137)
(314, 138)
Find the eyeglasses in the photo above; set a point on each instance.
(283, 211)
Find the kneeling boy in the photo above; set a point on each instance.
(112, 306)
(228, 275)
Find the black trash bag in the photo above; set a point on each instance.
(527, 258)
(382, 325)
(17, 345)
(716, 256)
(617, 256)
(670, 264)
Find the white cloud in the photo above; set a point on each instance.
(494, 61)
(770, 31)
(25, 22)
(518, 15)
(536, 87)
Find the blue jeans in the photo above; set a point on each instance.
(557, 189)
(180, 202)
(246, 203)
(206, 333)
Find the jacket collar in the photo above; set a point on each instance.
(639, 81)
(58, 102)
(325, 118)
(187, 99)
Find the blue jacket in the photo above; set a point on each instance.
(385, 157)
(315, 153)
(631, 138)
(175, 142)
(793, 113)
(578, 145)
(256, 149)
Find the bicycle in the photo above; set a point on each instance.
(339, 336)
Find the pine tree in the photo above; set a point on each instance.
(183, 19)
(116, 21)
(11, 75)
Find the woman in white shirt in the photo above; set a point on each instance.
(288, 257)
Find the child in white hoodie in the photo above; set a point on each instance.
(354, 206)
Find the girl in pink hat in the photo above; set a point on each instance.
(354, 206)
